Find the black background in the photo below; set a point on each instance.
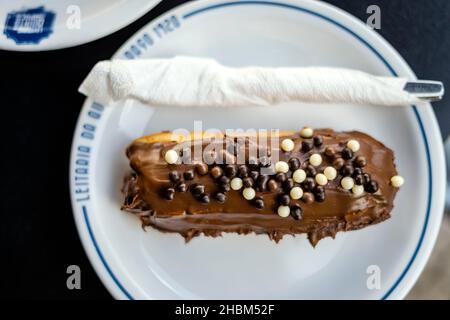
(40, 106)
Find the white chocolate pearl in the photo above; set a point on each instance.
(357, 190)
(171, 156)
(306, 132)
(249, 193)
(315, 159)
(353, 145)
(347, 183)
(321, 179)
(236, 183)
(284, 211)
(397, 181)
(281, 166)
(287, 145)
(330, 173)
(299, 175)
(296, 193)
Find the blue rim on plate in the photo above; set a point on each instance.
(391, 70)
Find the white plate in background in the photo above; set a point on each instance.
(36, 25)
(135, 264)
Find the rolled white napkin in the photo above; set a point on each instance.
(187, 81)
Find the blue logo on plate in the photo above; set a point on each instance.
(29, 26)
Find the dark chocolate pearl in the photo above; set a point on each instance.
(347, 153)
(259, 203)
(181, 187)
(357, 172)
(224, 180)
(248, 182)
(230, 171)
(319, 189)
(308, 197)
(319, 193)
(216, 172)
(264, 161)
(359, 180)
(202, 168)
(360, 161)
(261, 184)
(307, 145)
(242, 171)
(220, 197)
(329, 152)
(318, 141)
(338, 163)
(319, 197)
(204, 198)
(280, 177)
(367, 178)
(169, 193)
(174, 176)
(284, 199)
(197, 190)
(296, 212)
(294, 164)
(254, 175)
(311, 171)
(348, 170)
(225, 187)
(371, 187)
(272, 185)
(288, 185)
(309, 184)
(188, 175)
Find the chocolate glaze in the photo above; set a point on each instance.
(341, 210)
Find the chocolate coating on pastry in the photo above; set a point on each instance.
(322, 212)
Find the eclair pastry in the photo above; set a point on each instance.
(317, 182)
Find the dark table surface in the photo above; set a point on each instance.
(39, 90)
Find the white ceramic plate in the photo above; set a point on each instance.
(135, 264)
(35, 25)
